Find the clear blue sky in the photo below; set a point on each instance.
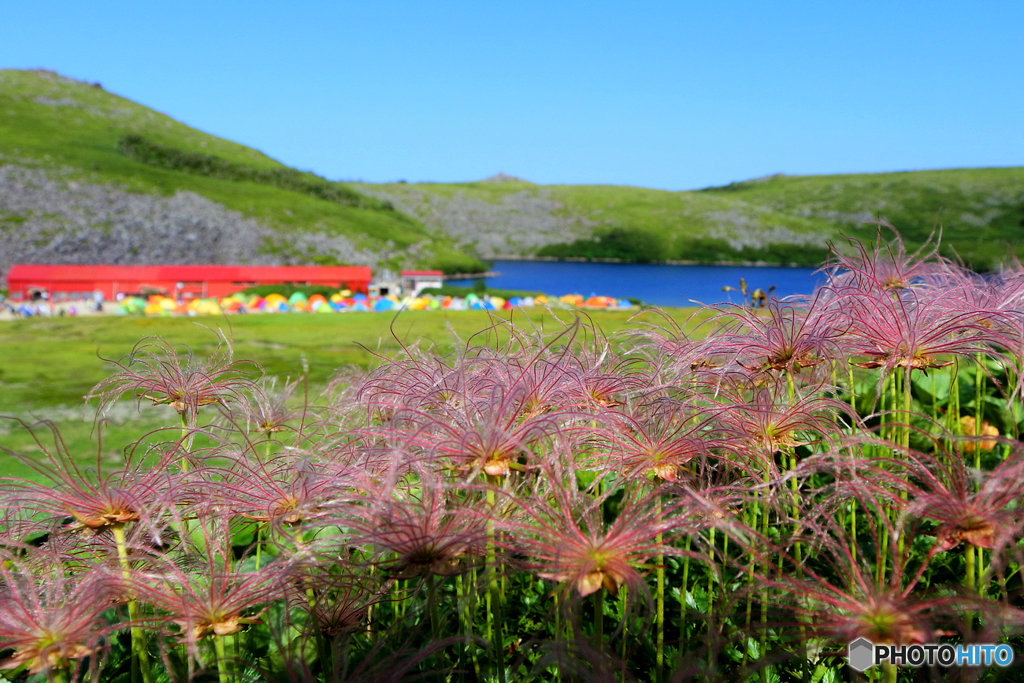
(674, 95)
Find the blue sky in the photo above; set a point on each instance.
(674, 95)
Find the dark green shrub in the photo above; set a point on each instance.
(142, 150)
(626, 244)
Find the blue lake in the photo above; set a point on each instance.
(658, 285)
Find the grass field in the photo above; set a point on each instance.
(52, 363)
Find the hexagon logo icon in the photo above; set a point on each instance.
(860, 654)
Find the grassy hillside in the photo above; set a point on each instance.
(51, 122)
(88, 135)
(779, 219)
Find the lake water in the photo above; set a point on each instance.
(658, 285)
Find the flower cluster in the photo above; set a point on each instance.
(743, 492)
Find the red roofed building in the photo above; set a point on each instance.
(187, 282)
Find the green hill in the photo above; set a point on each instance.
(87, 175)
(75, 137)
(783, 219)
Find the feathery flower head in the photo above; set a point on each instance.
(48, 616)
(156, 371)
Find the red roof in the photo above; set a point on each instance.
(189, 281)
(424, 273)
(90, 273)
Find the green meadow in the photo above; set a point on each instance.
(51, 364)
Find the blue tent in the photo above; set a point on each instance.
(516, 301)
(360, 306)
(624, 303)
(383, 305)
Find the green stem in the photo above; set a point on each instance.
(558, 634)
(979, 408)
(623, 604)
(599, 618)
(953, 412)
(259, 543)
(969, 581)
(684, 594)
(798, 548)
(494, 596)
(660, 657)
(222, 664)
(905, 441)
(139, 651)
(853, 530)
(853, 396)
(471, 605)
(750, 517)
(435, 621)
(186, 438)
(763, 651)
(711, 574)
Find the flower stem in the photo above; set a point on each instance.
(259, 543)
(186, 439)
(139, 652)
(660, 657)
(763, 651)
(435, 621)
(494, 596)
(222, 664)
(684, 593)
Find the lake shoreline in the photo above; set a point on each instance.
(671, 262)
(658, 284)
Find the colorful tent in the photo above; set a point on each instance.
(316, 301)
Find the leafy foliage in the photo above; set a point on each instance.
(140, 149)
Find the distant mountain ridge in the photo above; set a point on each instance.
(88, 176)
(776, 219)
